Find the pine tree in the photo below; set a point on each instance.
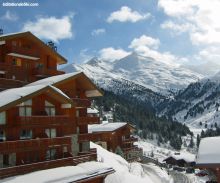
(198, 140)
(191, 144)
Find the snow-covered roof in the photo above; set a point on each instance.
(209, 151)
(92, 111)
(187, 157)
(63, 174)
(11, 34)
(53, 79)
(106, 127)
(14, 94)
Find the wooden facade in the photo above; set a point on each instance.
(42, 130)
(24, 58)
(119, 141)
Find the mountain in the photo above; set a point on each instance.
(207, 69)
(157, 76)
(197, 105)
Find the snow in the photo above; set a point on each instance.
(163, 152)
(11, 34)
(53, 79)
(92, 111)
(209, 151)
(128, 172)
(61, 174)
(155, 75)
(188, 157)
(105, 127)
(14, 94)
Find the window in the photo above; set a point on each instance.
(51, 154)
(50, 109)
(39, 65)
(2, 136)
(25, 108)
(2, 118)
(16, 61)
(51, 133)
(123, 137)
(26, 134)
(5, 160)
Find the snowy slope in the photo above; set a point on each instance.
(155, 75)
(197, 105)
(129, 172)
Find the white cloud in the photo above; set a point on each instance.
(176, 28)
(203, 14)
(177, 8)
(147, 46)
(97, 32)
(51, 28)
(211, 53)
(145, 41)
(84, 56)
(112, 54)
(9, 16)
(125, 14)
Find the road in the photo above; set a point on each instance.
(179, 177)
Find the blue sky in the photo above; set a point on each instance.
(175, 31)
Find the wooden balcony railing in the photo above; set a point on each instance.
(10, 83)
(43, 120)
(46, 72)
(130, 140)
(82, 102)
(23, 51)
(27, 168)
(133, 148)
(88, 120)
(89, 137)
(32, 144)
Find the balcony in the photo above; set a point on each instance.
(88, 120)
(130, 140)
(43, 120)
(70, 161)
(32, 144)
(23, 51)
(81, 102)
(89, 137)
(10, 83)
(133, 148)
(44, 72)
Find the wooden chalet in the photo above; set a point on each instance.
(79, 88)
(116, 137)
(43, 112)
(24, 58)
(31, 124)
(208, 156)
(181, 160)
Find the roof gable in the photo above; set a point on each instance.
(60, 58)
(15, 96)
(93, 90)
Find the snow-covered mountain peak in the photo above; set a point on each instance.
(145, 71)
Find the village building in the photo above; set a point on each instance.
(24, 58)
(79, 88)
(181, 159)
(208, 155)
(43, 112)
(117, 137)
(37, 124)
